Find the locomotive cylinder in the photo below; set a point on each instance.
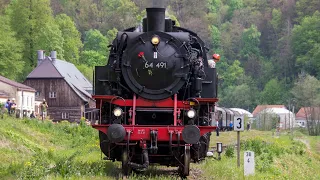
(156, 19)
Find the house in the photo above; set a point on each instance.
(262, 107)
(3, 97)
(276, 116)
(63, 86)
(22, 95)
(307, 113)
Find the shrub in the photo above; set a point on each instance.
(230, 151)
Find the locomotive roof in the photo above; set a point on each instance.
(56, 68)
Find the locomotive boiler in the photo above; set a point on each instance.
(155, 95)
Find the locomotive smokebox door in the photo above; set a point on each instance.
(156, 67)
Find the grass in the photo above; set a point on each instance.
(32, 149)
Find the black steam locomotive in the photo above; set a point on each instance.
(156, 96)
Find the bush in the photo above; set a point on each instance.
(230, 151)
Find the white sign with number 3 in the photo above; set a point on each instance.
(238, 124)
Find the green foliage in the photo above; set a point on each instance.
(92, 58)
(266, 153)
(215, 37)
(50, 38)
(71, 38)
(306, 91)
(272, 93)
(32, 20)
(229, 152)
(306, 44)
(95, 41)
(276, 19)
(11, 50)
(87, 71)
(251, 42)
(233, 74)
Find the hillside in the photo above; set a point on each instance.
(33, 149)
(266, 46)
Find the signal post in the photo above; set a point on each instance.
(238, 126)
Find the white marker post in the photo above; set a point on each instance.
(238, 125)
(249, 163)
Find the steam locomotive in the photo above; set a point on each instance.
(156, 95)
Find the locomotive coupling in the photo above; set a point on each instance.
(191, 134)
(116, 133)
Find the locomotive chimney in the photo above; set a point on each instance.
(156, 19)
(40, 56)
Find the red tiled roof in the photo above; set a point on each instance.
(16, 84)
(259, 108)
(304, 111)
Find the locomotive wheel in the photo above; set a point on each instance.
(185, 168)
(126, 169)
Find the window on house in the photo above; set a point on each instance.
(52, 94)
(65, 115)
(37, 93)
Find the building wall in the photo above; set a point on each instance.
(13, 92)
(65, 96)
(66, 100)
(8, 89)
(26, 100)
(73, 113)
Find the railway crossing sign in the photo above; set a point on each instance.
(238, 124)
(249, 163)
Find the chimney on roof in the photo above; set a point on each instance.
(53, 55)
(40, 56)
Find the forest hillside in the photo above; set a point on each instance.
(270, 49)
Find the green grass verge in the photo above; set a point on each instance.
(32, 149)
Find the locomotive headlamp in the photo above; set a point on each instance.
(117, 112)
(155, 40)
(191, 113)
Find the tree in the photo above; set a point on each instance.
(34, 25)
(92, 58)
(237, 96)
(215, 38)
(306, 91)
(11, 50)
(87, 71)
(233, 74)
(95, 41)
(251, 42)
(71, 38)
(272, 93)
(306, 44)
(307, 94)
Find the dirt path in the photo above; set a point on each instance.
(305, 141)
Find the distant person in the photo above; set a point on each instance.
(13, 106)
(32, 115)
(248, 126)
(231, 125)
(44, 107)
(212, 62)
(217, 129)
(8, 106)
